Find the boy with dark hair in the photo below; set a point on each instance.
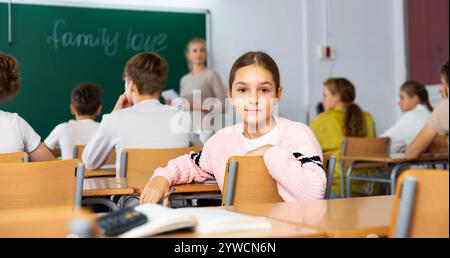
(85, 106)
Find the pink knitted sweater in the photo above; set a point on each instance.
(294, 161)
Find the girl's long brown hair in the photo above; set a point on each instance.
(354, 121)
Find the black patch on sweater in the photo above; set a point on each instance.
(303, 159)
(195, 156)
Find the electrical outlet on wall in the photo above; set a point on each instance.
(326, 52)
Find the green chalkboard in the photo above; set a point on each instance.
(59, 46)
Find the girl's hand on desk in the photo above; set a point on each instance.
(155, 190)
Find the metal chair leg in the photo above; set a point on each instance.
(349, 179)
(342, 179)
(394, 174)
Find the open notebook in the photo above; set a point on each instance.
(203, 220)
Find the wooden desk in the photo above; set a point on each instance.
(100, 173)
(107, 170)
(55, 221)
(194, 191)
(397, 163)
(395, 159)
(354, 217)
(191, 188)
(104, 186)
(39, 222)
(119, 186)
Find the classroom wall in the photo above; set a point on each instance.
(365, 34)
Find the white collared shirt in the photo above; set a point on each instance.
(146, 125)
(67, 135)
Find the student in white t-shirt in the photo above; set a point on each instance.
(416, 106)
(85, 106)
(16, 135)
(139, 120)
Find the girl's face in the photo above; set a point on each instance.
(330, 101)
(253, 94)
(408, 103)
(196, 54)
(443, 89)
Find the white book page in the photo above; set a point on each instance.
(169, 94)
(215, 220)
(161, 219)
(205, 220)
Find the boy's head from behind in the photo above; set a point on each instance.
(9, 77)
(86, 100)
(145, 74)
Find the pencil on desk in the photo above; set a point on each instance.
(166, 195)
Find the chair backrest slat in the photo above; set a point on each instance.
(38, 184)
(428, 214)
(141, 163)
(253, 183)
(15, 157)
(329, 165)
(363, 147)
(78, 153)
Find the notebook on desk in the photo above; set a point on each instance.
(202, 220)
(207, 182)
(399, 155)
(108, 167)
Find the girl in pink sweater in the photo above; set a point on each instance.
(290, 150)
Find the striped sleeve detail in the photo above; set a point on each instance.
(195, 156)
(304, 159)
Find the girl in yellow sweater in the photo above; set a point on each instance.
(342, 118)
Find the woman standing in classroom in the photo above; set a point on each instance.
(203, 79)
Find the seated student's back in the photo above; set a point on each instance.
(342, 118)
(139, 120)
(16, 135)
(85, 106)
